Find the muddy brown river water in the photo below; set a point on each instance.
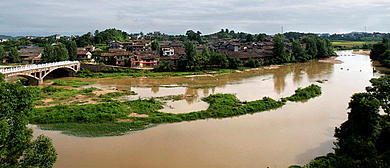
(293, 134)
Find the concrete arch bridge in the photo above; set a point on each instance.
(36, 73)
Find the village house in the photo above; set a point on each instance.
(173, 60)
(167, 51)
(145, 60)
(3, 40)
(118, 56)
(84, 55)
(31, 55)
(90, 48)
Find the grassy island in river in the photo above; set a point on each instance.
(118, 118)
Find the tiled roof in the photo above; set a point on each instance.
(30, 52)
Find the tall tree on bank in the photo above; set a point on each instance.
(380, 89)
(311, 46)
(54, 53)
(379, 48)
(14, 55)
(298, 52)
(16, 147)
(204, 57)
(191, 51)
(71, 46)
(279, 51)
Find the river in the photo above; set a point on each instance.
(293, 134)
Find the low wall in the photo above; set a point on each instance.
(99, 68)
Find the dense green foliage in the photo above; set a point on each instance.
(71, 46)
(101, 37)
(2, 52)
(362, 140)
(380, 48)
(298, 52)
(305, 93)
(14, 55)
(16, 147)
(55, 53)
(192, 55)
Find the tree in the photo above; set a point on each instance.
(384, 58)
(279, 45)
(47, 54)
(204, 57)
(260, 37)
(16, 147)
(14, 55)
(191, 51)
(249, 38)
(165, 66)
(71, 46)
(299, 52)
(379, 48)
(219, 59)
(322, 51)
(54, 53)
(380, 89)
(354, 137)
(2, 52)
(234, 63)
(311, 46)
(329, 47)
(279, 51)
(155, 46)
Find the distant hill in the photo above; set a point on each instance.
(10, 37)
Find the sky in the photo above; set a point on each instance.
(67, 17)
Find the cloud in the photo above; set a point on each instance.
(46, 17)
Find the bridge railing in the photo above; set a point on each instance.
(35, 66)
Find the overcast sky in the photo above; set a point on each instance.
(66, 17)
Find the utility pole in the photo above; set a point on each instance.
(282, 29)
(365, 29)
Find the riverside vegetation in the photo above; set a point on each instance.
(117, 118)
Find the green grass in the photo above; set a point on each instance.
(351, 43)
(117, 73)
(93, 120)
(305, 93)
(59, 94)
(73, 83)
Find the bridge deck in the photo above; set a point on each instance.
(37, 66)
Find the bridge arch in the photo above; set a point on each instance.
(70, 70)
(32, 80)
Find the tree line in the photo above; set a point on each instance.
(381, 51)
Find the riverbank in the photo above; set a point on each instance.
(331, 60)
(362, 52)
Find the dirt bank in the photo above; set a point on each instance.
(331, 60)
(362, 52)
